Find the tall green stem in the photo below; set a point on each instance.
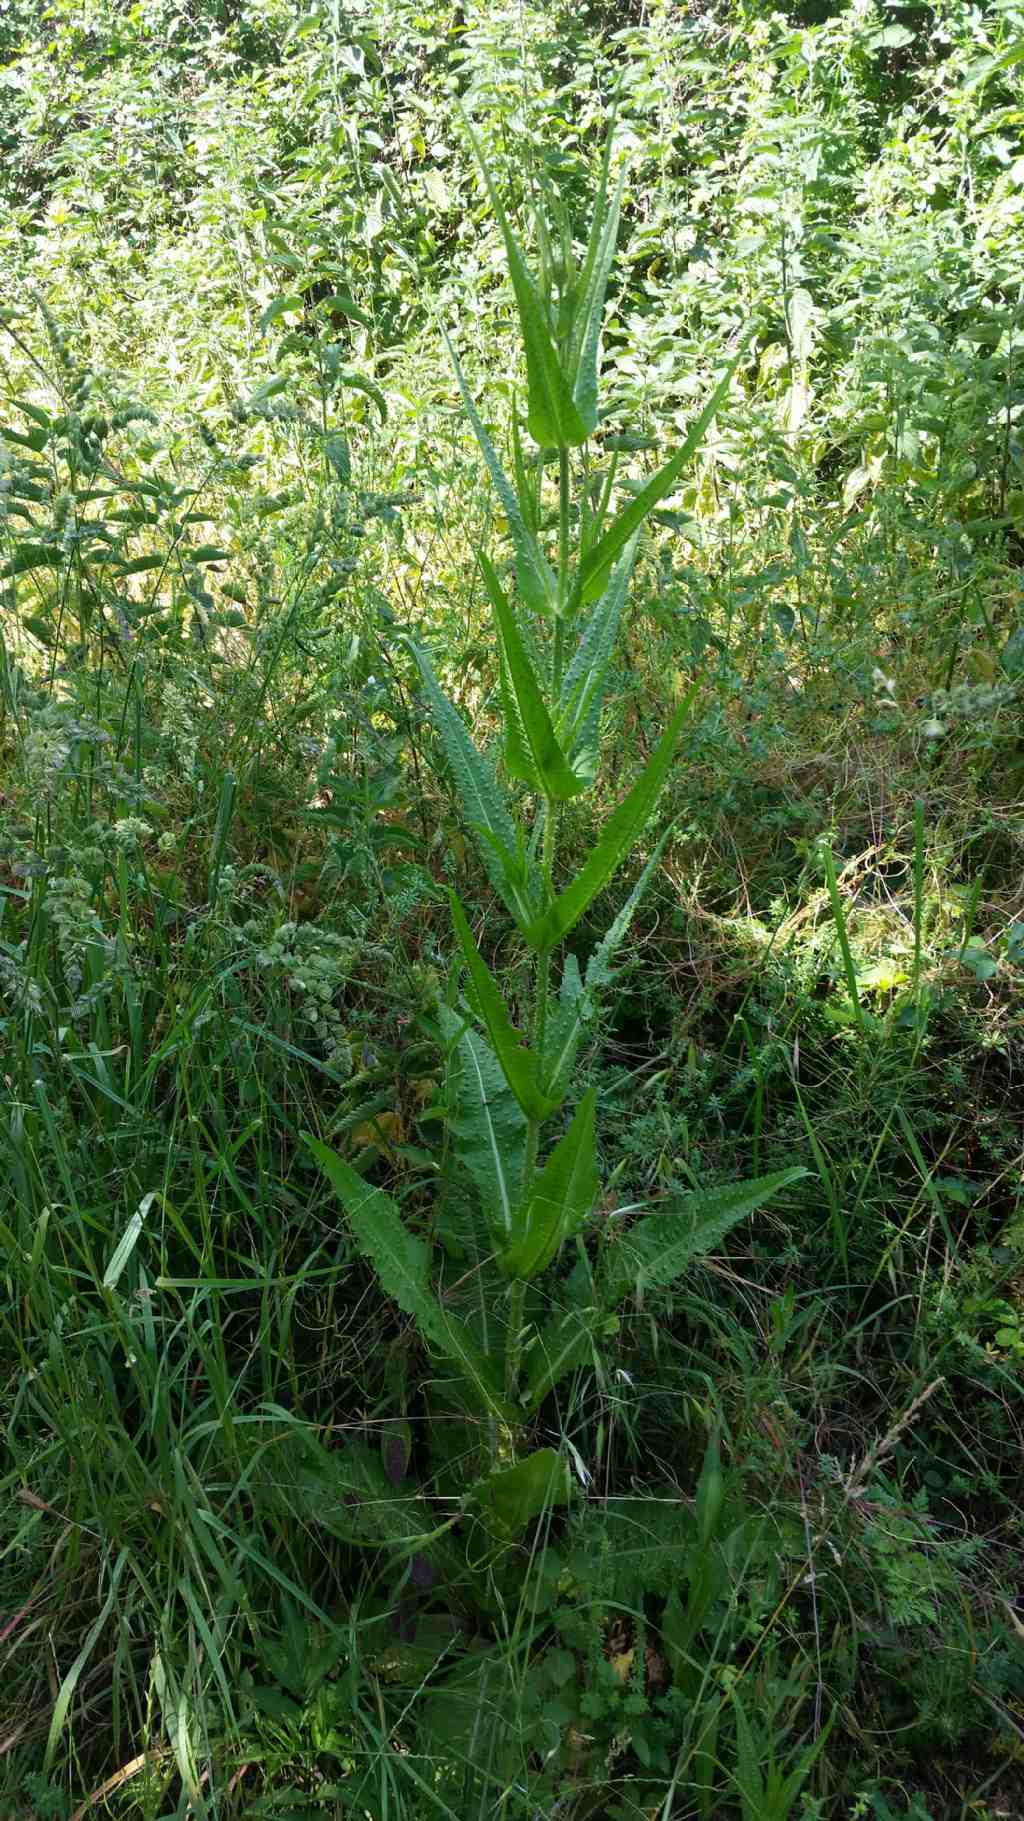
(538, 1023)
(542, 976)
(564, 514)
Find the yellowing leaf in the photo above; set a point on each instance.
(383, 1129)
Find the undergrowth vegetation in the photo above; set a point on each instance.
(511, 910)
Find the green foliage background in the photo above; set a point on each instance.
(254, 1555)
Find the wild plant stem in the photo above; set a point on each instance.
(538, 1024)
(564, 515)
(542, 976)
(514, 1348)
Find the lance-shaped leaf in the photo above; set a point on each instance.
(660, 1247)
(402, 1264)
(593, 285)
(552, 418)
(567, 1020)
(622, 829)
(562, 1197)
(527, 482)
(534, 575)
(582, 693)
(519, 1065)
(533, 752)
(575, 1009)
(484, 802)
(518, 762)
(599, 968)
(487, 1126)
(596, 564)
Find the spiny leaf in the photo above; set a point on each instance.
(488, 1127)
(582, 694)
(577, 1002)
(519, 1065)
(566, 1022)
(599, 967)
(661, 1246)
(534, 576)
(596, 564)
(402, 1264)
(546, 768)
(560, 1200)
(594, 283)
(483, 801)
(620, 832)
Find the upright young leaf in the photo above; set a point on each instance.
(546, 768)
(574, 1011)
(402, 1264)
(620, 832)
(519, 1065)
(552, 418)
(582, 693)
(483, 800)
(596, 564)
(562, 1197)
(534, 575)
(518, 760)
(567, 1020)
(594, 284)
(527, 483)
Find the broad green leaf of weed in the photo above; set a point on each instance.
(596, 564)
(518, 1494)
(402, 1264)
(561, 1197)
(620, 832)
(520, 1067)
(546, 768)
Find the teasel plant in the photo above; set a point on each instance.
(556, 607)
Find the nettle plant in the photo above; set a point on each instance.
(556, 632)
